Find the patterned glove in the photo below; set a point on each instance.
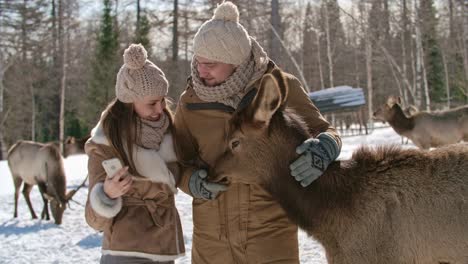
(201, 188)
(315, 156)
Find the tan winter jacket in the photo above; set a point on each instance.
(144, 222)
(244, 224)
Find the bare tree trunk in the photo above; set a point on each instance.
(5, 64)
(447, 79)
(299, 70)
(464, 47)
(64, 49)
(329, 52)
(275, 37)
(186, 36)
(2, 77)
(175, 33)
(387, 55)
(420, 58)
(403, 63)
(319, 61)
(426, 85)
(418, 74)
(33, 112)
(355, 41)
(416, 98)
(403, 46)
(63, 86)
(370, 94)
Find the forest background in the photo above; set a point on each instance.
(59, 58)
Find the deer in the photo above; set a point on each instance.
(384, 205)
(73, 146)
(426, 129)
(32, 163)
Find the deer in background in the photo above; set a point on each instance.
(384, 205)
(426, 129)
(74, 146)
(42, 165)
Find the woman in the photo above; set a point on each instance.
(135, 207)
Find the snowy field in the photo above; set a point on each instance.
(23, 240)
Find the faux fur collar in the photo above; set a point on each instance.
(150, 163)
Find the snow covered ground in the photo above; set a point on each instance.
(23, 240)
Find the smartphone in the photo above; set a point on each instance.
(111, 166)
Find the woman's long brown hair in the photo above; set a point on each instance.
(119, 123)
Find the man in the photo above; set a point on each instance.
(241, 223)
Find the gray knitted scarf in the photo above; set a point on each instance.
(231, 91)
(151, 133)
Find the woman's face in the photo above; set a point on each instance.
(150, 107)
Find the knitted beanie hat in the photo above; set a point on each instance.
(139, 77)
(222, 38)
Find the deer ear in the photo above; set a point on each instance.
(266, 102)
(282, 84)
(398, 100)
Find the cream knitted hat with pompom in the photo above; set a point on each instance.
(139, 77)
(222, 38)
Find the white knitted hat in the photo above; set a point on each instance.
(139, 77)
(222, 38)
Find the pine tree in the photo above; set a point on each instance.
(433, 56)
(104, 65)
(142, 29)
(333, 42)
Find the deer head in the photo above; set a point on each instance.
(74, 146)
(260, 132)
(58, 204)
(387, 110)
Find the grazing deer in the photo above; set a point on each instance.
(426, 129)
(36, 163)
(384, 205)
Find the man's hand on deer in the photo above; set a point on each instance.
(119, 184)
(315, 156)
(200, 187)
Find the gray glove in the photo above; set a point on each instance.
(317, 154)
(201, 188)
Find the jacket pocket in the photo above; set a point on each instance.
(206, 219)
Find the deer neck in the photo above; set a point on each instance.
(56, 186)
(320, 199)
(400, 122)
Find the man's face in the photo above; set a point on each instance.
(211, 72)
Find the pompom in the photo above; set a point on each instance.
(135, 56)
(227, 11)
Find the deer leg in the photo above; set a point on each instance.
(45, 209)
(17, 181)
(26, 191)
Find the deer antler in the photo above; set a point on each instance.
(71, 193)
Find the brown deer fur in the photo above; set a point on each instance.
(36, 163)
(384, 205)
(74, 146)
(426, 129)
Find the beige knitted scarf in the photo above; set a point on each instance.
(231, 91)
(151, 133)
